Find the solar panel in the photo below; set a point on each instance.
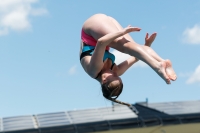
(118, 112)
(175, 108)
(83, 116)
(17, 123)
(101, 114)
(52, 119)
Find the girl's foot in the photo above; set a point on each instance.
(170, 71)
(162, 73)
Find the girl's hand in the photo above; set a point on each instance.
(129, 29)
(149, 40)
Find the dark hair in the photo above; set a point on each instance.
(112, 89)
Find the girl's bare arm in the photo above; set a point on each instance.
(96, 63)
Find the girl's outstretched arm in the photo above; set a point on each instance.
(125, 65)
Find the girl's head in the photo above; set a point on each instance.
(112, 87)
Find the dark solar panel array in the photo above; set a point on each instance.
(174, 108)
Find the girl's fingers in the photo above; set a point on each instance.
(147, 35)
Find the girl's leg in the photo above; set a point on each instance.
(139, 52)
(170, 72)
(153, 53)
(147, 47)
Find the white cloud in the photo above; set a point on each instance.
(192, 35)
(72, 70)
(120, 57)
(15, 14)
(3, 31)
(195, 77)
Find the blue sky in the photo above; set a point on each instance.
(40, 71)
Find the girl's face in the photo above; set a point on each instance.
(110, 76)
(113, 83)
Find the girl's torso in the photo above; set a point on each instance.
(91, 25)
